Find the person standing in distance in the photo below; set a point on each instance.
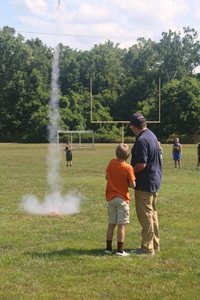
(147, 165)
(68, 150)
(177, 153)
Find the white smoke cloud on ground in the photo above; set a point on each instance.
(54, 202)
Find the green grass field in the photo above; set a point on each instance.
(51, 257)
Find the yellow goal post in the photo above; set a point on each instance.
(123, 122)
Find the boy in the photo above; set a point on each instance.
(68, 150)
(120, 176)
(177, 152)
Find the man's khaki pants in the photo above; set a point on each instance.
(145, 204)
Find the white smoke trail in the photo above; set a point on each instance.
(54, 157)
(53, 202)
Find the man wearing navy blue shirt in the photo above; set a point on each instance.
(147, 165)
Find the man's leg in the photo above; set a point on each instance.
(145, 214)
(155, 223)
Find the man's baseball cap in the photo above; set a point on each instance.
(137, 120)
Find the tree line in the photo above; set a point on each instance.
(123, 81)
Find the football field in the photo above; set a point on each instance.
(50, 256)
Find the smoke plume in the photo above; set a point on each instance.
(54, 202)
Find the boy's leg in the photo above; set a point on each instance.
(120, 233)
(120, 237)
(110, 231)
(109, 236)
(179, 160)
(122, 219)
(111, 224)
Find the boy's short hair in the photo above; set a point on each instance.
(122, 151)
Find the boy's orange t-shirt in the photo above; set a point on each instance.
(119, 176)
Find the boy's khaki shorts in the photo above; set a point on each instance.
(118, 211)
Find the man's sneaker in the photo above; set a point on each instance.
(134, 250)
(122, 253)
(141, 252)
(107, 251)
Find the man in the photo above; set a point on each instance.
(148, 170)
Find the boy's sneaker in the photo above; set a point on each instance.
(108, 251)
(122, 253)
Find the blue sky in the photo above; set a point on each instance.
(82, 24)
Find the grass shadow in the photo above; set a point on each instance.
(66, 252)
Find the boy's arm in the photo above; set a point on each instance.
(106, 176)
(139, 167)
(132, 184)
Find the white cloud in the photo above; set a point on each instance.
(92, 21)
(38, 23)
(197, 10)
(38, 7)
(91, 14)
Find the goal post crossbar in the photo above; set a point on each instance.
(72, 132)
(121, 122)
(158, 121)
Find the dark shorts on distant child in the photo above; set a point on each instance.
(177, 156)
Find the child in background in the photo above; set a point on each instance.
(177, 152)
(68, 150)
(120, 176)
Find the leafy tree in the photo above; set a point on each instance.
(15, 57)
(178, 56)
(142, 59)
(181, 106)
(106, 67)
(123, 81)
(69, 70)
